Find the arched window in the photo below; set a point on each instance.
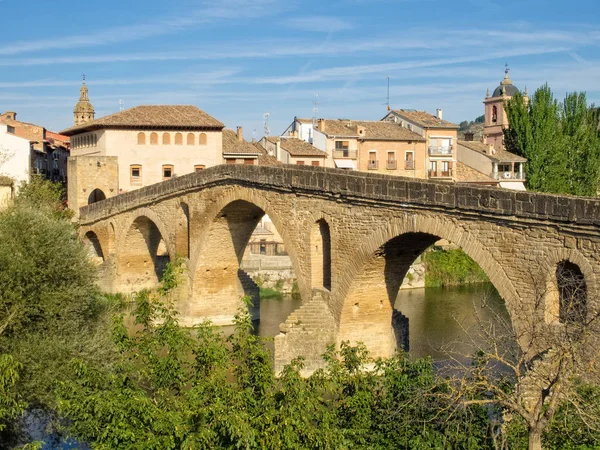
(153, 139)
(166, 139)
(572, 292)
(141, 138)
(178, 139)
(191, 139)
(96, 196)
(494, 114)
(202, 139)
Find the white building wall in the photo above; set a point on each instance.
(474, 159)
(16, 150)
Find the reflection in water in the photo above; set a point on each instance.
(446, 318)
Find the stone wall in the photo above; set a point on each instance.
(87, 173)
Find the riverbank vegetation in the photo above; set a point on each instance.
(67, 355)
(450, 268)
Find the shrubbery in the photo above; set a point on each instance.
(451, 267)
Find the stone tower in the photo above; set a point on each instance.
(496, 118)
(84, 111)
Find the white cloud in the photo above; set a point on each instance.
(320, 24)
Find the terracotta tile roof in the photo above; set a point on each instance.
(500, 155)
(152, 117)
(231, 144)
(57, 136)
(424, 119)
(373, 130)
(466, 174)
(265, 159)
(298, 147)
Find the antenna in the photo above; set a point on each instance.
(388, 94)
(266, 123)
(121, 105)
(315, 110)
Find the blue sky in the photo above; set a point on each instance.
(238, 59)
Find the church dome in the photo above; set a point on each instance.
(84, 110)
(506, 87)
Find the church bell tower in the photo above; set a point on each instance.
(84, 111)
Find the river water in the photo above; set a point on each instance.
(439, 319)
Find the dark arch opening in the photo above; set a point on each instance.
(423, 321)
(320, 240)
(94, 245)
(143, 260)
(572, 292)
(96, 195)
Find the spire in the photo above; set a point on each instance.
(487, 93)
(84, 111)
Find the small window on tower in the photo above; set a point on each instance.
(494, 114)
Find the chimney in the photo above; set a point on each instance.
(438, 113)
(278, 149)
(469, 136)
(321, 123)
(240, 134)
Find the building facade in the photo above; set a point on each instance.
(292, 150)
(15, 162)
(149, 144)
(440, 139)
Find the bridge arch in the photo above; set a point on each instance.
(143, 252)
(320, 254)
(96, 195)
(93, 244)
(182, 233)
(368, 288)
(217, 282)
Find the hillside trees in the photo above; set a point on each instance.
(560, 141)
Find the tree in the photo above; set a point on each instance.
(560, 142)
(50, 308)
(536, 375)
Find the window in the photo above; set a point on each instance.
(315, 163)
(178, 139)
(153, 139)
(342, 145)
(391, 156)
(202, 140)
(141, 138)
(199, 167)
(167, 170)
(249, 161)
(191, 139)
(409, 160)
(166, 139)
(300, 163)
(494, 114)
(373, 160)
(135, 171)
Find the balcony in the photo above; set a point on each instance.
(391, 164)
(409, 165)
(339, 154)
(373, 165)
(441, 151)
(508, 175)
(440, 173)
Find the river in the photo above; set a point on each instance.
(439, 319)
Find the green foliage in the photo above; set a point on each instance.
(451, 267)
(49, 306)
(560, 141)
(41, 193)
(11, 405)
(270, 293)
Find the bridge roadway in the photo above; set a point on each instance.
(351, 237)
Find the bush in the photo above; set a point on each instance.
(451, 267)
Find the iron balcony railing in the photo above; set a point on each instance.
(440, 173)
(339, 154)
(409, 165)
(373, 165)
(392, 164)
(441, 151)
(508, 175)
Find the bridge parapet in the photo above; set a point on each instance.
(358, 187)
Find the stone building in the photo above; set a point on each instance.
(496, 119)
(84, 111)
(140, 146)
(440, 139)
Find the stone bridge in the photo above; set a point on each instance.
(351, 238)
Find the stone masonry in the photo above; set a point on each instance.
(359, 232)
